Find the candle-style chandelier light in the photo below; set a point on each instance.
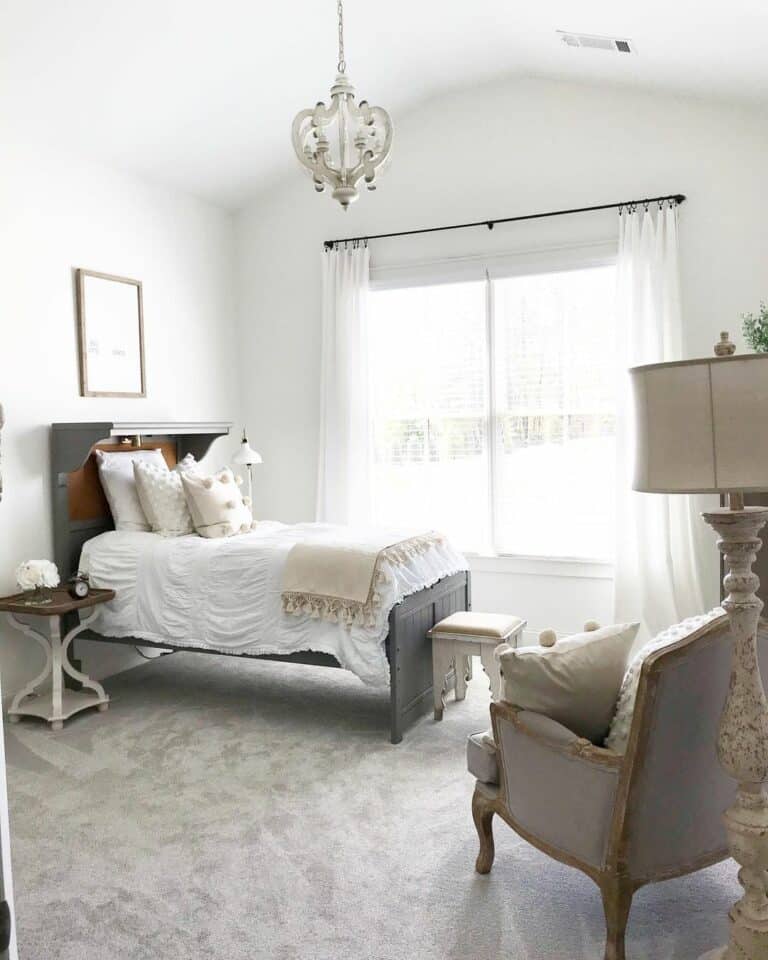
(345, 143)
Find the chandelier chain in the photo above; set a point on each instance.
(342, 61)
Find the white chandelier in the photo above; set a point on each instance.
(345, 143)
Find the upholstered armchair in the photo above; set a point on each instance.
(653, 813)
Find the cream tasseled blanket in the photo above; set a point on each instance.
(336, 578)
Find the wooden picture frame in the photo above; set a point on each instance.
(110, 335)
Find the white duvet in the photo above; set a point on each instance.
(225, 594)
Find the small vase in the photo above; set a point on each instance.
(725, 348)
(39, 597)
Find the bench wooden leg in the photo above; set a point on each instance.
(491, 667)
(442, 660)
(461, 663)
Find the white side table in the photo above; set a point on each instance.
(464, 635)
(59, 704)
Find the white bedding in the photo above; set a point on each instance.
(225, 594)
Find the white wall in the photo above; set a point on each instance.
(503, 150)
(57, 213)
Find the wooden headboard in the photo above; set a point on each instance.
(85, 496)
(80, 509)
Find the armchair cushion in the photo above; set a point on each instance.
(576, 682)
(481, 758)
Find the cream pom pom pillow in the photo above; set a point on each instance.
(575, 682)
(216, 504)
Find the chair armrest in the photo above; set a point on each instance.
(559, 789)
(545, 728)
(553, 734)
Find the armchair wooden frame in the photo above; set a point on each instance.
(616, 883)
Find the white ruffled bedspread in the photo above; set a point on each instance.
(225, 594)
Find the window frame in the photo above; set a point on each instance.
(531, 262)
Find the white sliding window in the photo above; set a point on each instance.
(493, 411)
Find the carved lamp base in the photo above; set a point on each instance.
(742, 744)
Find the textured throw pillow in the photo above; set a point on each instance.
(618, 735)
(216, 504)
(187, 464)
(119, 485)
(162, 498)
(576, 682)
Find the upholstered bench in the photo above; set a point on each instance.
(464, 635)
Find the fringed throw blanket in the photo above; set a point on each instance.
(337, 578)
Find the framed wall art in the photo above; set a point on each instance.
(110, 320)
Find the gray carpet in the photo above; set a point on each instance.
(233, 810)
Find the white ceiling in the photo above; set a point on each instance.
(200, 95)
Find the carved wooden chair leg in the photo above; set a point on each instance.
(482, 814)
(617, 902)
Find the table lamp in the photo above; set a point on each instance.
(702, 427)
(246, 456)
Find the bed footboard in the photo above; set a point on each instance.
(410, 650)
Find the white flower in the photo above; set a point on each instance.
(37, 573)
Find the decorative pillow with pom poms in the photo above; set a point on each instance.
(575, 680)
(216, 504)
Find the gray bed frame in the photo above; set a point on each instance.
(408, 648)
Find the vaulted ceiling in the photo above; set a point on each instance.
(200, 95)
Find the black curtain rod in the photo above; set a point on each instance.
(677, 197)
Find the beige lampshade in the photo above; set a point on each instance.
(702, 425)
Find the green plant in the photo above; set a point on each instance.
(755, 328)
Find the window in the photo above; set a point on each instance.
(493, 411)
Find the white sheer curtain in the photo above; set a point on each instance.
(343, 487)
(658, 579)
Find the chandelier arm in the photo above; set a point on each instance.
(331, 173)
(354, 174)
(382, 155)
(323, 115)
(299, 134)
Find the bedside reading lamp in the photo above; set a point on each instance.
(246, 456)
(702, 427)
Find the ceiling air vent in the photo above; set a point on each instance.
(615, 44)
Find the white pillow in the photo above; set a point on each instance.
(162, 497)
(576, 682)
(117, 481)
(216, 504)
(618, 735)
(187, 464)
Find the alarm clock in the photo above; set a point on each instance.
(79, 588)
